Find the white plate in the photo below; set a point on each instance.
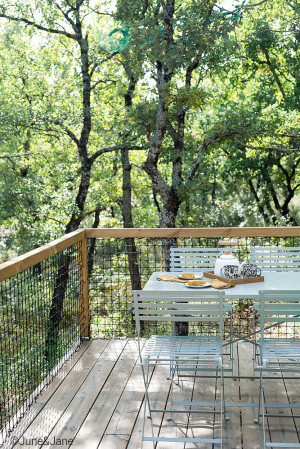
(208, 284)
(198, 275)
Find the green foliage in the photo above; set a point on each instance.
(245, 90)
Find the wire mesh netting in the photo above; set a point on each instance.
(39, 324)
(111, 281)
(40, 315)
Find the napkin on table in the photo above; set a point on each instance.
(215, 283)
(167, 277)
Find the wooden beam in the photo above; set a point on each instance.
(194, 232)
(83, 289)
(21, 263)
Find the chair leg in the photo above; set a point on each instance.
(146, 381)
(259, 398)
(177, 372)
(223, 406)
(231, 336)
(263, 415)
(171, 396)
(254, 336)
(170, 372)
(146, 378)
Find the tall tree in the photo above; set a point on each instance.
(68, 21)
(260, 90)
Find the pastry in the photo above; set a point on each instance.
(187, 275)
(198, 282)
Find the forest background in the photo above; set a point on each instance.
(145, 113)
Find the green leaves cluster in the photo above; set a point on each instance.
(235, 119)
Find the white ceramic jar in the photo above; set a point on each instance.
(227, 258)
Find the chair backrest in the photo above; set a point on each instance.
(275, 258)
(278, 306)
(169, 306)
(196, 259)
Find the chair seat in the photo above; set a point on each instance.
(185, 349)
(280, 348)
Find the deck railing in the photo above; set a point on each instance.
(79, 286)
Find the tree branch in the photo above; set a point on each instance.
(90, 212)
(255, 5)
(66, 15)
(101, 62)
(104, 82)
(189, 71)
(101, 13)
(38, 26)
(276, 77)
(145, 8)
(259, 204)
(284, 150)
(172, 130)
(204, 146)
(114, 148)
(68, 132)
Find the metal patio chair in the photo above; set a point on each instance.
(195, 259)
(200, 259)
(273, 258)
(278, 354)
(182, 354)
(276, 258)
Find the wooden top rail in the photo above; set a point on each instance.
(194, 232)
(21, 263)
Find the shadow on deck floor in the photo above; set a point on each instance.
(95, 402)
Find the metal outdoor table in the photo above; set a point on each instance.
(283, 280)
(272, 281)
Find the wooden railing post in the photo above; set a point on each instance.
(84, 288)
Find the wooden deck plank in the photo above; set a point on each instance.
(159, 391)
(97, 398)
(293, 391)
(202, 426)
(79, 405)
(59, 401)
(42, 400)
(177, 427)
(252, 433)
(125, 414)
(99, 415)
(232, 428)
(281, 430)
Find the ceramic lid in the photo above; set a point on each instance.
(227, 256)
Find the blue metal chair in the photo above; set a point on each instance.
(199, 260)
(278, 354)
(195, 259)
(270, 259)
(276, 258)
(191, 354)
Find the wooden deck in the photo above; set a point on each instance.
(95, 402)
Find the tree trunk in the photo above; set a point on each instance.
(56, 310)
(75, 220)
(168, 220)
(260, 206)
(128, 223)
(93, 244)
